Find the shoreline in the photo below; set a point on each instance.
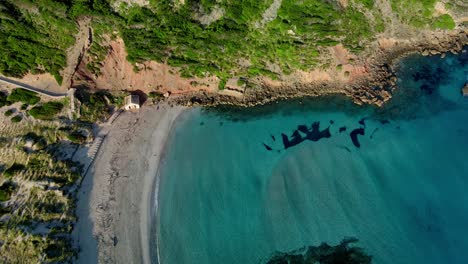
(376, 87)
(151, 189)
(153, 195)
(117, 227)
(120, 187)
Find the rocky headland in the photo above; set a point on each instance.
(374, 86)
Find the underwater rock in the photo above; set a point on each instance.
(384, 121)
(345, 148)
(342, 129)
(303, 129)
(427, 89)
(344, 253)
(354, 136)
(267, 147)
(312, 134)
(362, 122)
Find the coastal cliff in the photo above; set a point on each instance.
(243, 54)
(374, 86)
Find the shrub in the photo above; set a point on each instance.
(3, 99)
(4, 196)
(29, 46)
(31, 136)
(24, 96)
(6, 189)
(76, 137)
(444, 22)
(13, 170)
(9, 112)
(46, 111)
(16, 119)
(41, 144)
(24, 106)
(94, 106)
(155, 95)
(222, 84)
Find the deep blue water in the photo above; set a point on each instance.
(238, 185)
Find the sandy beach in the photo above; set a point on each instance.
(115, 199)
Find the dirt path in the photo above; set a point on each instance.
(75, 53)
(32, 88)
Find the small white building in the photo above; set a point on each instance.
(132, 102)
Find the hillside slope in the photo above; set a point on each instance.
(186, 45)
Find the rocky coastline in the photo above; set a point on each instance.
(375, 88)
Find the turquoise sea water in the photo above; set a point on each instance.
(225, 197)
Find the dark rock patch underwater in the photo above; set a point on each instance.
(343, 253)
(312, 134)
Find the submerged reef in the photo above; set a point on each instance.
(313, 134)
(343, 253)
(354, 136)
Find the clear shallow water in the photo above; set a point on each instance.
(225, 198)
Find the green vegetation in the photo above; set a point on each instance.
(16, 119)
(367, 3)
(94, 106)
(24, 107)
(46, 111)
(444, 22)
(168, 31)
(76, 137)
(155, 96)
(164, 33)
(406, 10)
(3, 99)
(35, 35)
(4, 196)
(293, 40)
(13, 170)
(30, 164)
(9, 112)
(6, 189)
(98, 106)
(24, 96)
(458, 8)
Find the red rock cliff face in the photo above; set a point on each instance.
(119, 74)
